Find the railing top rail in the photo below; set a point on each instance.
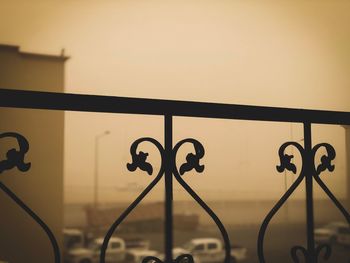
(110, 104)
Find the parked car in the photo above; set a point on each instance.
(211, 250)
(344, 236)
(73, 238)
(115, 252)
(136, 243)
(328, 234)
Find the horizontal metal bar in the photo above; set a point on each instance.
(93, 103)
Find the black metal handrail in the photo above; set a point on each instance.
(94, 103)
(168, 109)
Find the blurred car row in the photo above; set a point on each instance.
(78, 249)
(333, 233)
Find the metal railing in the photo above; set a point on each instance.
(167, 108)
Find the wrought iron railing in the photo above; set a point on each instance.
(309, 171)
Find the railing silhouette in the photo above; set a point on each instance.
(310, 170)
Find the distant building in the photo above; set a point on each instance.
(41, 188)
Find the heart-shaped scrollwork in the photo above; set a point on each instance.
(15, 158)
(139, 161)
(308, 164)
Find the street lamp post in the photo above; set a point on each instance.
(97, 138)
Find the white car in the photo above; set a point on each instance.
(115, 252)
(211, 250)
(328, 234)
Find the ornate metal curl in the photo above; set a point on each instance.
(139, 161)
(294, 253)
(192, 160)
(152, 259)
(286, 164)
(307, 255)
(15, 158)
(185, 258)
(328, 251)
(327, 165)
(193, 163)
(326, 160)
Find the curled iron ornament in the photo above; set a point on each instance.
(192, 159)
(294, 253)
(195, 165)
(286, 160)
(139, 161)
(326, 164)
(306, 254)
(286, 164)
(152, 259)
(15, 158)
(326, 159)
(328, 251)
(185, 258)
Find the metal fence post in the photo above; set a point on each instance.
(168, 138)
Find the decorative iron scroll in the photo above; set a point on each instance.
(139, 160)
(185, 258)
(309, 170)
(15, 158)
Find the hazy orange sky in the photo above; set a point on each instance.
(276, 53)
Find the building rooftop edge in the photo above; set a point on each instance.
(26, 53)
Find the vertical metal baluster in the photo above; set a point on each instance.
(168, 137)
(309, 194)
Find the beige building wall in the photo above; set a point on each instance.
(41, 188)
